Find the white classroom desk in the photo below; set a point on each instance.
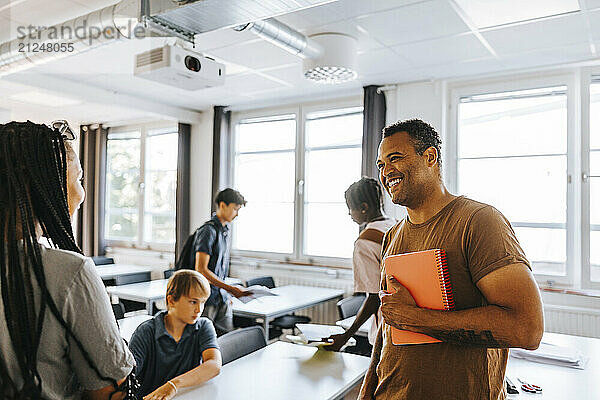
(149, 292)
(128, 325)
(362, 331)
(289, 298)
(119, 272)
(560, 383)
(284, 371)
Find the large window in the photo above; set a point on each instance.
(594, 183)
(512, 153)
(141, 179)
(293, 169)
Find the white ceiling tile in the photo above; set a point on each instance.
(398, 76)
(544, 57)
(129, 84)
(485, 13)
(5, 29)
(248, 83)
(463, 69)
(291, 74)
(594, 18)
(443, 51)
(536, 35)
(349, 27)
(337, 11)
(592, 4)
(380, 61)
(223, 38)
(414, 22)
(255, 55)
(43, 13)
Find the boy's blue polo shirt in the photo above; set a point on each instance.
(159, 358)
(213, 239)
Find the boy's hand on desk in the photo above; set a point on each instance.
(241, 292)
(164, 392)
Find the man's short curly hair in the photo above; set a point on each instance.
(422, 135)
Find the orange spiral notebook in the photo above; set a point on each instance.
(425, 275)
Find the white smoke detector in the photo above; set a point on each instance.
(336, 62)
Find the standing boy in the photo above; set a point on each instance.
(212, 248)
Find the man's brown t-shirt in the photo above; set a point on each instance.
(477, 239)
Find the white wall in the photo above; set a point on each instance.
(4, 116)
(201, 170)
(422, 100)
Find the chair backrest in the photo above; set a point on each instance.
(168, 273)
(119, 310)
(262, 281)
(103, 260)
(241, 342)
(350, 305)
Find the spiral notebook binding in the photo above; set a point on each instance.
(445, 285)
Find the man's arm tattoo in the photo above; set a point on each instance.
(467, 338)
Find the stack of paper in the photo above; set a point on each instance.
(549, 353)
(257, 291)
(313, 335)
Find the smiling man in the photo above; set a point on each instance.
(497, 302)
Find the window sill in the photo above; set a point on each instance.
(257, 261)
(576, 292)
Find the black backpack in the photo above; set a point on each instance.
(187, 257)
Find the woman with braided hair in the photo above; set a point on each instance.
(365, 205)
(58, 336)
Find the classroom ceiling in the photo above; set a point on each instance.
(399, 41)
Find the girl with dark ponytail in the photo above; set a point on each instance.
(365, 206)
(58, 336)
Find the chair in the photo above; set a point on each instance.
(168, 273)
(103, 260)
(350, 305)
(119, 310)
(238, 343)
(266, 281)
(286, 321)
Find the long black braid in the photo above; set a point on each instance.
(33, 182)
(366, 190)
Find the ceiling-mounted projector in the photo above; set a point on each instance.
(176, 66)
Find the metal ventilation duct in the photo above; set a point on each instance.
(188, 18)
(71, 37)
(329, 57)
(183, 18)
(285, 37)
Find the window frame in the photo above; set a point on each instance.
(586, 76)
(506, 84)
(301, 110)
(140, 243)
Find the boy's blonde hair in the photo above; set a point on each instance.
(182, 282)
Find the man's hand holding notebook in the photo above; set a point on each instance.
(421, 279)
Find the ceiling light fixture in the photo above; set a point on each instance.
(328, 57)
(336, 63)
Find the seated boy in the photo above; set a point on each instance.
(177, 348)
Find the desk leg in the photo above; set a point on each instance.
(149, 305)
(266, 326)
